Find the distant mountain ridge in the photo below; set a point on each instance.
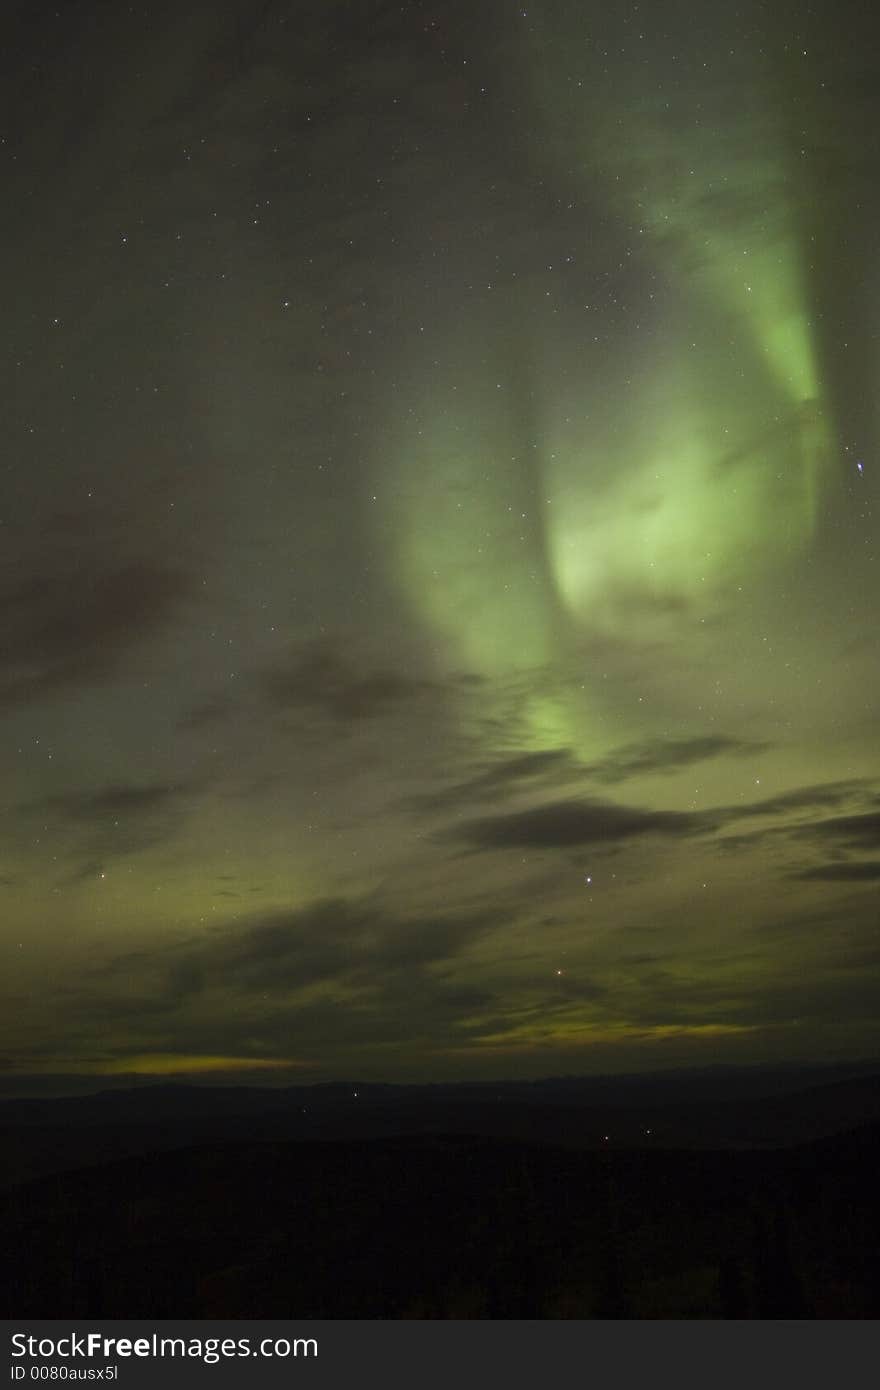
(711, 1110)
(692, 1084)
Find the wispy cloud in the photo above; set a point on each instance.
(72, 628)
(319, 678)
(668, 755)
(563, 824)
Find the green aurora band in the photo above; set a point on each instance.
(547, 495)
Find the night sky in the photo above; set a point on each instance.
(439, 575)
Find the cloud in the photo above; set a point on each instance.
(321, 679)
(838, 836)
(119, 800)
(296, 981)
(666, 755)
(555, 766)
(209, 713)
(349, 941)
(505, 779)
(563, 824)
(861, 832)
(499, 780)
(526, 766)
(113, 821)
(800, 799)
(821, 794)
(340, 939)
(865, 872)
(73, 628)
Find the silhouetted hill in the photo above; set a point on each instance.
(440, 1226)
(713, 1109)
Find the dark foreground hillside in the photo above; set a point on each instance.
(436, 1227)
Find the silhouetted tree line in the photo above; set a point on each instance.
(477, 1230)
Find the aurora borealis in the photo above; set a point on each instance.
(439, 572)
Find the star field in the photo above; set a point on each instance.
(438, 567)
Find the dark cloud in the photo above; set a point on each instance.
(97, 826)
(555, 766)
(777, 1001)
(338, 938)
(837, 836)
(422, 1007)
(666, 755)
(351, 941)
(208, 713)
(861, 832)
(319, 678)
(864, 872)
(387, 977)
(570, 987)
(115, 802)
(73, 628)
(501, 779)
(565, 823)
(801, 798)
(528, 765)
